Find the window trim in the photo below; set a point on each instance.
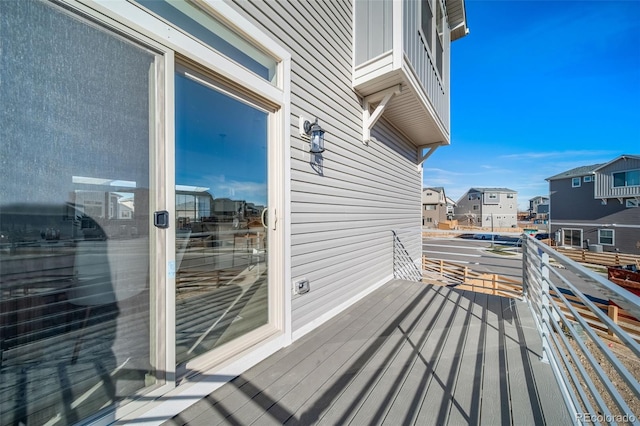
(421, 29)
(587, 179)
(576, 182)
(434, 38)
(626, 185)
(613, 237)
(632, 203)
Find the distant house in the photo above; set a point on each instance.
(434, 206)
(488, 207)
(539, 208)
(598, 205)
(451, 205)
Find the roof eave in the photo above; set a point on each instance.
(457, 16)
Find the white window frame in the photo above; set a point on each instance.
(626, 184)
(613, 237)
(576, 182)
(587, 179)
(632, 202)
(427, 37)
(432, 39)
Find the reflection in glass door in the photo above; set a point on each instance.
(75, 283)
(221, 194)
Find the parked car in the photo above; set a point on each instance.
(482, 236)
(542, 236)
(466, 236)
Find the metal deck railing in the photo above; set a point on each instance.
(598, 375)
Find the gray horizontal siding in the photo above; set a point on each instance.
(625, 238)
(341, 220)
(569, 203)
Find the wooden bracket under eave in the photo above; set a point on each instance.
(422, 156)
(369, 119)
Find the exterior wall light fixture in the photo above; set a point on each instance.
(316, 135)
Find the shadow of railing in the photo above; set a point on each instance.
(431, 328)
(404, 268)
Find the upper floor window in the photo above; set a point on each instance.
(426, 23)
(628, 178)
(214, 33)
(493, 196)
(439, 35)
(476, 207)
(587, 179)
(509, 195)
(575, 182)
(433, 40)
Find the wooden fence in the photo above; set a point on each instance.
(464, 278)
(440, 272)
(603, 259)
(619, 316)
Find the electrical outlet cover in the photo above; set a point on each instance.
(301, 286)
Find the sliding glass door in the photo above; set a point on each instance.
(221, 200)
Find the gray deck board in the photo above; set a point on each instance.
(373, 391)
(465, 403)
(428, 342)
(437, 400)
(409, 353)
(494, 389)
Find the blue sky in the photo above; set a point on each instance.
(537, 88)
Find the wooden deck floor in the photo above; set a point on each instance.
(409, 353)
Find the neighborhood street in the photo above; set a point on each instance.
(476, 255)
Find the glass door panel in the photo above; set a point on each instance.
(221, 194)
(75, 314)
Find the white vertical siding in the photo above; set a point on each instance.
(373, 29)
(341, 218)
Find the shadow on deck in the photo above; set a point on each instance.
(409, 353)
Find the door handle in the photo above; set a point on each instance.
(161, 219)
(262, 217)
(275, 218)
